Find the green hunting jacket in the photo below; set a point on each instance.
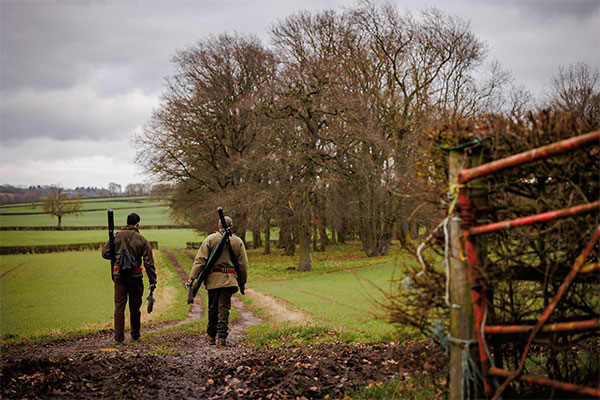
(223, 274)
(131, 240)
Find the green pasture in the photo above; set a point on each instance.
(165, 237)
(89, 204)
(347, 300)
(57, 293)
(158, 215)
(344, 292)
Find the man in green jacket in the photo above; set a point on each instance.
(130, 285)
(221, 282)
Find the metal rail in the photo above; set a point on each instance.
(470, 231)
(569, 387)
(557, 327)
(526, 157)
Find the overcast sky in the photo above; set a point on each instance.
(79, 78)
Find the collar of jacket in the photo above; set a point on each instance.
(130, 228)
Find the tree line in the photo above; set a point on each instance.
(323, 130)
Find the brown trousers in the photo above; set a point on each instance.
(219, 304)
(126, 286)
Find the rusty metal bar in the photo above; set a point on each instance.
(550, 308)
(586, 269)
(477, 294)
(557, 327)
(568, 387)
(540, 153)
(543, 217)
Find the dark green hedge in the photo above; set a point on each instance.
(82, 228)
(56, 248)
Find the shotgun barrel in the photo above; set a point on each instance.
(111, 239)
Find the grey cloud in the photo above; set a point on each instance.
(69, 114)
(549, 10)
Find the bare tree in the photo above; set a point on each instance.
(59, 204)
(311, 48)
(205, 138)
(577, 89)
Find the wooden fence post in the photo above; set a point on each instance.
(461, 309)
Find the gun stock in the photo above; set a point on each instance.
(111, 239)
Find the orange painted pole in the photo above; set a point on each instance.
(567, 387)
(531, 219)
(540, 153)
(557, 327)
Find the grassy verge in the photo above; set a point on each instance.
(406, 387)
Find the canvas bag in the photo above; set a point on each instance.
(127, 262)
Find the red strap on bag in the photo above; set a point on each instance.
(138, 269)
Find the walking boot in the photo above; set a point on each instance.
(222, 342)
(211, 340)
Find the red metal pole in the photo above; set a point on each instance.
(550, 308)
(540, 153)
(477, 294)
(569, 387)
(586, 269)
(557, 327)
(543, 217)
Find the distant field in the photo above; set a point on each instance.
(164, 237)
(158, 215)
(88, 204)
(60, 292)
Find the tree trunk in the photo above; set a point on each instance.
(256, 239)
(267, 237)
(376, 222)
(59, 221)
(304, 263)
(323, 236)
(241, 233)
(286, 241)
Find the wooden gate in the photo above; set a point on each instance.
(496, 379)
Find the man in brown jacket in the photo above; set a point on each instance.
(130, 285)
(221, 282)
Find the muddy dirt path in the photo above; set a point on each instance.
(197, 307)
(185, 367)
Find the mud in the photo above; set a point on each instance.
(193, 369)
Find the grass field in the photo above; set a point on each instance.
(342, 293)
(150, 216)
(164, 237)
(62, 292)
(72, 291)
(344, 300)
(89, 204)
(152, 212)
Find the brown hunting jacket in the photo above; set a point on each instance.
(130, 239)
(223, 274)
